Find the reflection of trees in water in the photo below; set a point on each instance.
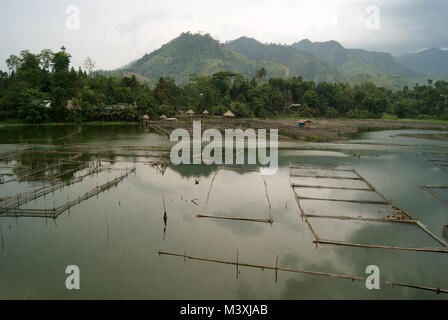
(44, 164)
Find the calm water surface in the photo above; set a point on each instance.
(115, 237)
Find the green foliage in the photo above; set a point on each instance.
(26, 90)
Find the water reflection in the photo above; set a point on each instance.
(134, 270)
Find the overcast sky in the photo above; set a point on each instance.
(114, 32)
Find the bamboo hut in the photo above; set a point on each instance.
(145, 120)
(228, 115)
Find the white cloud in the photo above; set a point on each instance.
(114, 32)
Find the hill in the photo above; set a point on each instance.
(431, 61)
(297, 62)
(197, 54)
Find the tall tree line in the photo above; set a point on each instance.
(38, 85)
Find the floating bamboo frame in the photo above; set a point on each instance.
(276, 268)
(400, 215)
(54, 213)
(19, 199)
(202, 214)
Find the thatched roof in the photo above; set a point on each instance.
(189, 112)
(163, 116)
(145, 117)
(205, 111)
(229, 114)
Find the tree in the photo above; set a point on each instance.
(60, 61)
(13, 62)
(261, 73)
(89, 64)
(46, 56)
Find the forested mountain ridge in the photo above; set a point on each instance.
(296, 61)
(328, 61)
(433, 61)
(198, 54)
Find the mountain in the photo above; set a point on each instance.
(296, 62)
(319, 61)
(352, 62)
(197, 54)
(432, 61)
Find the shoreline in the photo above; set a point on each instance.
(321, 130)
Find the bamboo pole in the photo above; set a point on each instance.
(433, 193)
(267, 197)
(309, 272)
(344, 200)
(323, 169)
(328, 187)
(322, 163)
(324, 177)
(350, 244)
(305, 218)
(234, 218)
(360, 218)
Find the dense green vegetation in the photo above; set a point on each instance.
(38, 86)
(319, 61)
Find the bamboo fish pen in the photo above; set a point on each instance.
(263, 220)
(54, 213)
(400, 216)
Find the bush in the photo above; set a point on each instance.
(331, 113)
(444, 115)
(313, 139)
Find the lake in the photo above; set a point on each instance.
(114, 233)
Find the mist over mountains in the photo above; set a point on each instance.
(328, 61)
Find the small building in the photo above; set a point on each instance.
(163, 117)
(205, 113)
(304, 123)
(294, 107)
(229, 114)
(189, 113)
(145, 120)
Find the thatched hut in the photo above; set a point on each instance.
(145, 120)
(205, 113)
(163, 117)
(229, 114)
(189, 113)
